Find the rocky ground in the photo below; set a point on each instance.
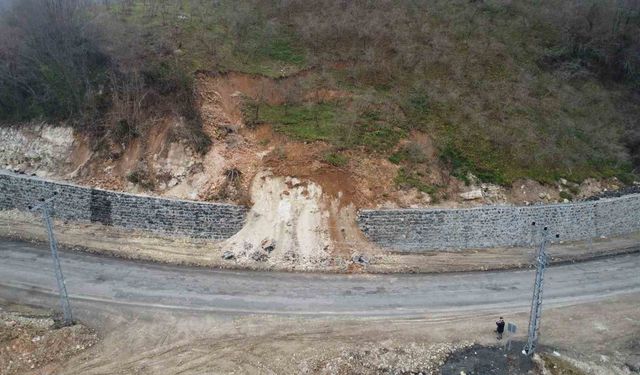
(375, 358)
(33, 342)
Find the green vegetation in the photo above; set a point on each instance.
(332, 122)
(461, 166)
(314, 122)
(410, 179)
(140, 177)
(566, 195)
(411, 153)
(335, 159)
(506, 90)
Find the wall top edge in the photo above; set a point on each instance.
(4, 172)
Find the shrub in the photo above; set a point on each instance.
(566, 195)
(412, 153)
(250, 109)
(141, 177)
(461, 166)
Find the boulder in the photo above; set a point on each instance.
(472, 194)
(268, 245)
(633, 362)
(259, 256)
(360, 259)
(228, 255)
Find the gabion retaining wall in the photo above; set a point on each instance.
(416, 230)
(83, 204)
(410, 230)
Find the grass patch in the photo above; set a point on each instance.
(409, 179)
(566, 195)
(283, 50)
(330, 122)
(461, 166)
(335, 159)
(313, 122)
(378, 137)
(410, 153)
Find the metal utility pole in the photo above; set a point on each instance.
(45, 207)
(536, 303)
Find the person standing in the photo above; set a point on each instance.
(500, 328)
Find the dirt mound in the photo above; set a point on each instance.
(287, 224)
(35, 343)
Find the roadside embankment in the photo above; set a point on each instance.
(141, 245)
(293, 226)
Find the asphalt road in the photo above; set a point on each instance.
(26, 269)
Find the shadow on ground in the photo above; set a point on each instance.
(492, 360)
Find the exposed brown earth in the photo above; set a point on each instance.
(169, 168)
(32, 343)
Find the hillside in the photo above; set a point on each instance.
(381, 103)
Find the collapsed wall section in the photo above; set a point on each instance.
(83, 204)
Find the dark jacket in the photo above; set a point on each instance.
(500, 324)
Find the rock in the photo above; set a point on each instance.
(360, 259)
(493, 193)
(290, 256)
(228, 255)
(259, 256)
(472, 194)
(173, 182)
(268, 245)
(473, 180)
(563, 181)
(424, 197)
(633, 362)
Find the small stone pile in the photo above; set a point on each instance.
(384, 359)
(28, 343)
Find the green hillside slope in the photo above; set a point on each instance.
(506, 89)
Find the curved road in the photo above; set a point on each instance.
(26, 268)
